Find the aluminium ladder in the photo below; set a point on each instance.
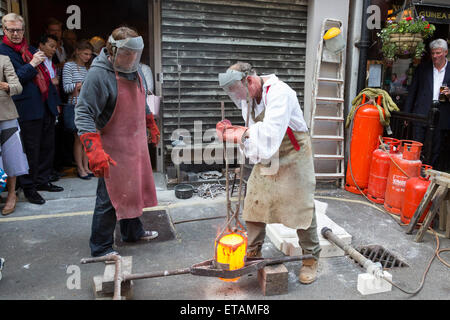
(327, 110)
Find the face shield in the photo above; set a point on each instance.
(127, 53)
(231, 82)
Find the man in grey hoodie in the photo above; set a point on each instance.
(112, 119)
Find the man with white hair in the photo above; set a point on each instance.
(428, 78)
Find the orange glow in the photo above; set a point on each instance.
(231, 250)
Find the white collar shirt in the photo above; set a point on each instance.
(282, 110)
(438, 78)
(49, 64)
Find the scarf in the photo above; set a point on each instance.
(42, 79)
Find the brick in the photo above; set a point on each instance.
(285, 239)
(369, 284)
(274, 237)
(273, 280)
(291, 247)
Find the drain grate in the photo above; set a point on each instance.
(377, 253)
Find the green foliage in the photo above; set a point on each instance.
(391, 48)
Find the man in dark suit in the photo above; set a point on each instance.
(424, 89)
(37, 108)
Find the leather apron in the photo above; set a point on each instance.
(130, 184)
(286, 197)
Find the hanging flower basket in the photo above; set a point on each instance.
(404, 39)
(406, 43)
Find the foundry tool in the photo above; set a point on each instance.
(230, 246)
(180, 141)
(205, 269)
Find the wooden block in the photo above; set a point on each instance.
(443, 215)
(273, 280)
(99, 294)
(291, 247)
(447, 214)
(110, 270)
(436, 203)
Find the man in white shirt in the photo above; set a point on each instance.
(275, 132)
(424, 89)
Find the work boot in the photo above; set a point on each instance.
(308, 271)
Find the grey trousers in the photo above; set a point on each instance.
(308, 239)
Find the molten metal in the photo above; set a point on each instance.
(231, 252)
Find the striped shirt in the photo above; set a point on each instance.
(72, 74)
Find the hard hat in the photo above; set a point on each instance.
(331, 33)
(334, 41)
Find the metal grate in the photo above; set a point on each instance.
(377, 253)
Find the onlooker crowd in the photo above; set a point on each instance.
(39, 87)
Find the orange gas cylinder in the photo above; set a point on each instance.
(403, 166)
(379, 169)
(366, 131)
(414, 191)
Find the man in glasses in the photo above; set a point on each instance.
(37, 108)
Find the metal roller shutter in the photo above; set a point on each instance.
(204, 37)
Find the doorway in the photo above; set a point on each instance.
(89, 18)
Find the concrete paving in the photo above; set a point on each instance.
(43, 246)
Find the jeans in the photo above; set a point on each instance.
(104, 223)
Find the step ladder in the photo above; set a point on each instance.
(327, 110)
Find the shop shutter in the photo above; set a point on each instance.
(207, 36)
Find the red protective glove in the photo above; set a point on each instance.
(227, 132)
(153, 129)
(99, 160)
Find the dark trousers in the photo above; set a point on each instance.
(63, 146)
(444, 156)
(419, 133)
(104, 224)
(38, 138)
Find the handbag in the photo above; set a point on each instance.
(153, 102)
(68, 112)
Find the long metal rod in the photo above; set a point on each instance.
(158, 274)
(367, 264)
(254, 265)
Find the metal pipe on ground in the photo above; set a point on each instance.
(205, 268)
(371, 267)
(118, 276)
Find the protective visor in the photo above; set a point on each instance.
(231, 83)
(127, 53)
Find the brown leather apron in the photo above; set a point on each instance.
(130, 185)
(286, 197)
